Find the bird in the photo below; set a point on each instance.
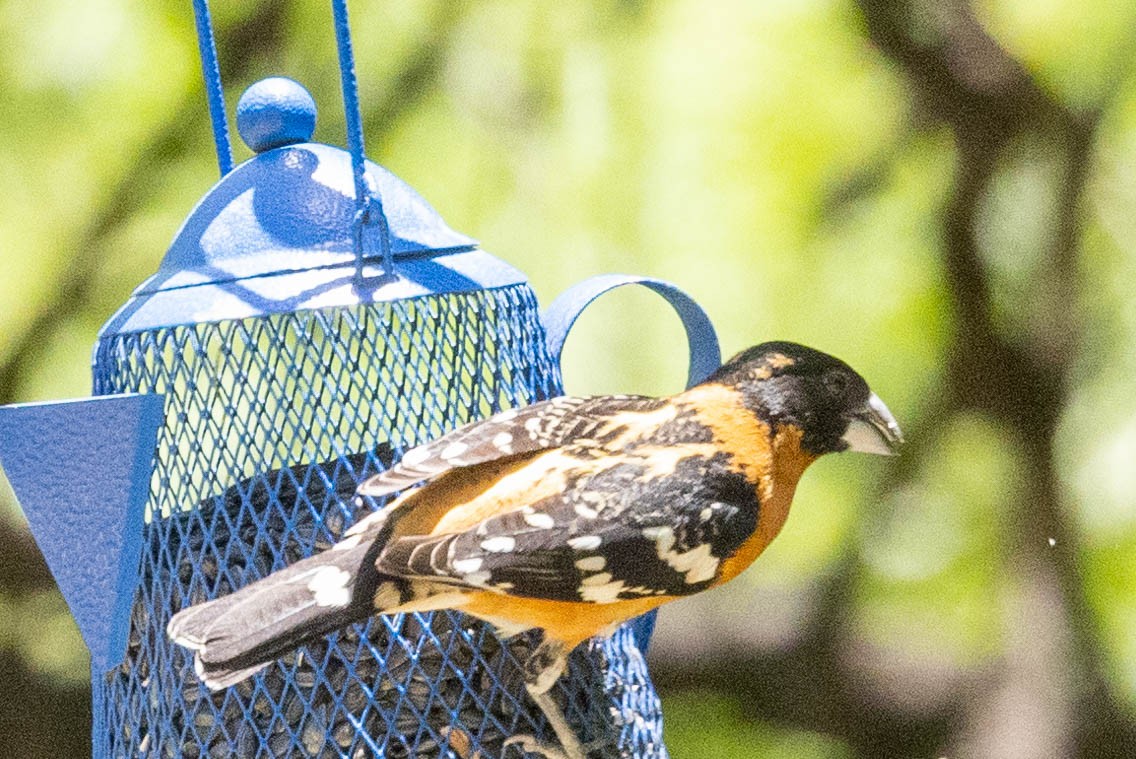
(569, 517)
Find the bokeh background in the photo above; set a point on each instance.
(943, 193)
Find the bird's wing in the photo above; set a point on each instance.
(656, 523)
(542, 425)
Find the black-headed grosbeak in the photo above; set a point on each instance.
(571, 516)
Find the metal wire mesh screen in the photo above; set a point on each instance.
(271, 424)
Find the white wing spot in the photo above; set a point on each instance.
(348, 543)
(600, 589)
(330, 586)
(415, 456)
(585, 512)
(454, 450)
(696, 565)
(591, 563)
(705, 514)
(506, 416)
(481, 579)
(467, 566)
(499, 544)
(539, 520)
(503, 441)
(585, 542)
(532, 426)
(596, 579)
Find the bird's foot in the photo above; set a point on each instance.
(530, 745)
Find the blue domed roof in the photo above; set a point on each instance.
(277, 233)
(292, 209)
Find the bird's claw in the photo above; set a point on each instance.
(530, 745)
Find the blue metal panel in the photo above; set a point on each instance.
(81, 471)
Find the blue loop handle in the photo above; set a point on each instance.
(705, 356)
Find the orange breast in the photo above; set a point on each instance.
(775, 490)
(568, 621)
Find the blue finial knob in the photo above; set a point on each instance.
(275, 111)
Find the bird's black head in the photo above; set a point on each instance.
(787, 383)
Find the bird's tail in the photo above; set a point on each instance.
(235, 636)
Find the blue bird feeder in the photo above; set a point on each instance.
(313, 319)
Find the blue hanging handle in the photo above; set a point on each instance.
(368, 203)
(214, 92)
(705, 355)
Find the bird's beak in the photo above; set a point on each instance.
(874, 430)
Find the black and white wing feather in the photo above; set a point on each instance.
(618, 535)
(546, 424)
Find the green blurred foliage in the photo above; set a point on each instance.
(709, 724)
(767, 157)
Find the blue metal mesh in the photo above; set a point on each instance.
(343, 391)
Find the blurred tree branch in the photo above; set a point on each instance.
(416, 76)
(1049, 696)
(964, 79)
(29, 701)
